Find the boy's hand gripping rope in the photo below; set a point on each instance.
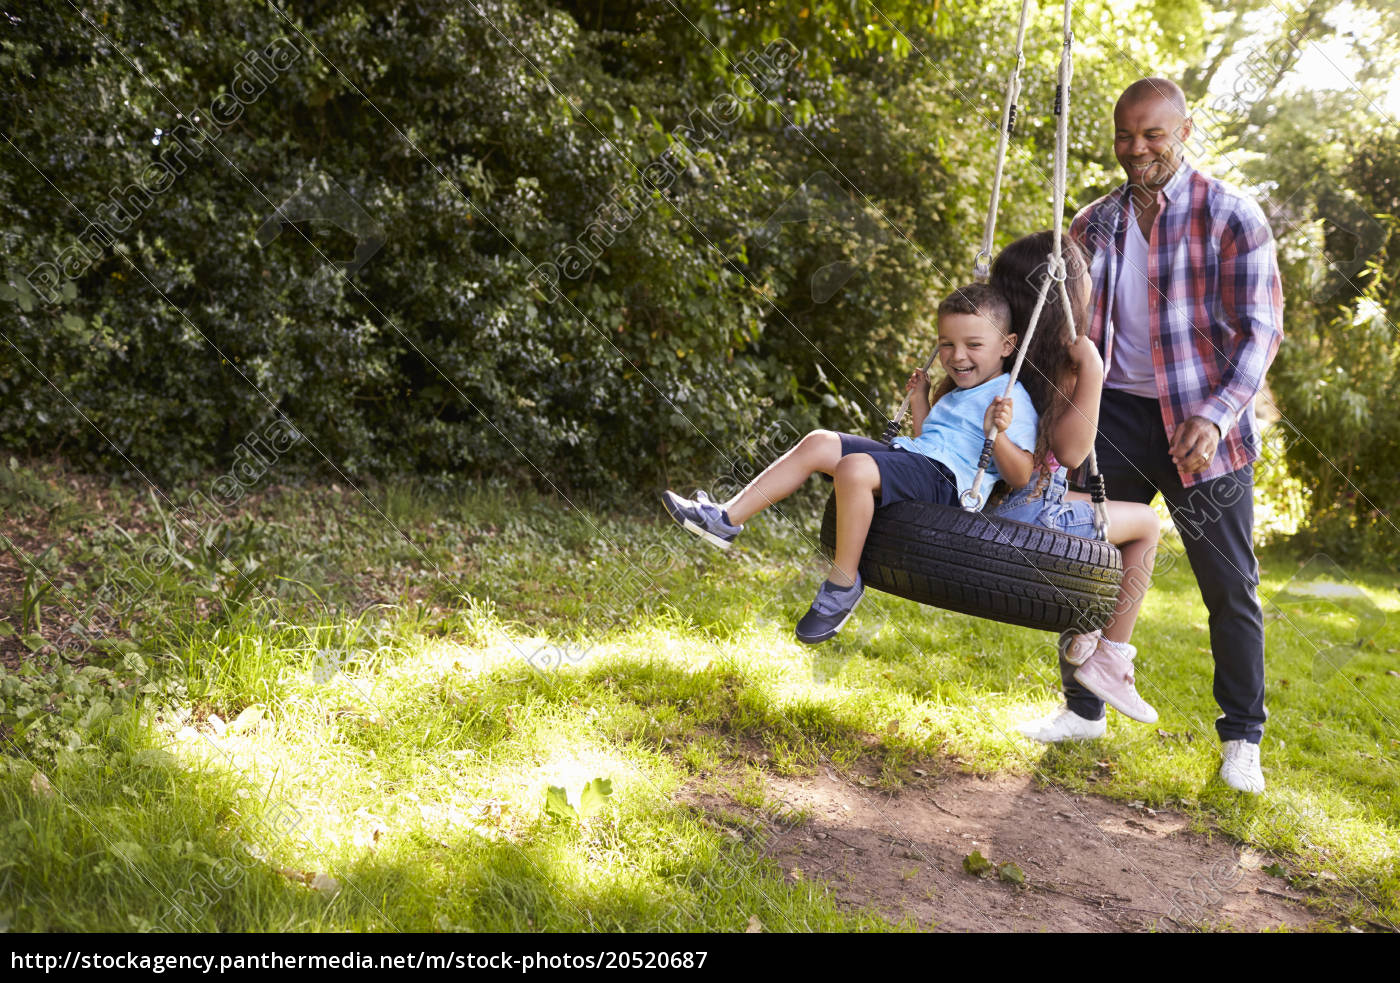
(1056, 272)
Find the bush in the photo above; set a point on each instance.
(544, 241)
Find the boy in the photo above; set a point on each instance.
(974, 344)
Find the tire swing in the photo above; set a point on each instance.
(959, 558)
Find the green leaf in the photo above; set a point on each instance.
(1011, 873)
(976, 864)
(556, 804)
(595, 796)
(1275, 870)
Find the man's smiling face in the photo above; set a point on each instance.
(1147, 140)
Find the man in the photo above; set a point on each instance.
(1188, 313)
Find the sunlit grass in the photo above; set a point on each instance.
(401, 742)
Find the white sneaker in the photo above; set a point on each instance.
(1064, 725)
(1240, 770)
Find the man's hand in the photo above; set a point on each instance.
(1193, 444)
(998, 415)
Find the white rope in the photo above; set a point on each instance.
(1055, 271)
(982, 264)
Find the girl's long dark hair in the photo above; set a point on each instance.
(1048, 373)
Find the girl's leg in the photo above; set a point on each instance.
(857, 484)
(1134, 528)
(820, 450)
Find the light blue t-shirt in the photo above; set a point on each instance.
(953, 433)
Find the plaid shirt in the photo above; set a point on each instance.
(1215, 304)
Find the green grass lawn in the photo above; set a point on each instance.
(326, 711)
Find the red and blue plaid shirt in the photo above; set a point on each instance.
(1215, 304)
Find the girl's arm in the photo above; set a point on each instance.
(1014, 463)
(1074, 432)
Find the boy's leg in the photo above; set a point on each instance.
(857, 484)
(820, 450)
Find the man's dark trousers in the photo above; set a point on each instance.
(1216, 522)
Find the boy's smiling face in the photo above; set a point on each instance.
(971, 348)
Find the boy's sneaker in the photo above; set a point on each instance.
(1064, 725)
(1240, 770)
(1108, 674)
(702, 517)
(829, 611)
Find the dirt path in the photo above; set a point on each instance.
(1090, 865)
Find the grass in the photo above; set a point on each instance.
(327, 711)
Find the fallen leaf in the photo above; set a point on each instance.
(594, 796)
(325, 883)
(248, 719)
(39, 785)
(755, 926)
(1011, 873)
(556, 804)
(892, 727)
(1392, 672)
(976, 864)
(796, 873)
(1275, 870)
(217, 722)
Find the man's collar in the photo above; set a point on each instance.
(1179, 181)
(1175, 185)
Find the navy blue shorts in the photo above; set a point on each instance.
(904, 475)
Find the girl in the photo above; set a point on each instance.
(1065, 382)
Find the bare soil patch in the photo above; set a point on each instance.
(1090, 864)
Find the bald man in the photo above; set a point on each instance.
(1187, 312)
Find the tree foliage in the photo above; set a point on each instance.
(593, 246)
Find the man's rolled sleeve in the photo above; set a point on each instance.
(1219, 412)
(1251, 294)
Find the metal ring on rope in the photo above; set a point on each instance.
(981, 265)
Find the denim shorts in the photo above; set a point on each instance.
(904, 475)
(1051, 509)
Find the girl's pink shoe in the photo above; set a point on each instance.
(1108, 674)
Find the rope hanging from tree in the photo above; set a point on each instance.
(1055, 273)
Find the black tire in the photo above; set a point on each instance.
(987, 567)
